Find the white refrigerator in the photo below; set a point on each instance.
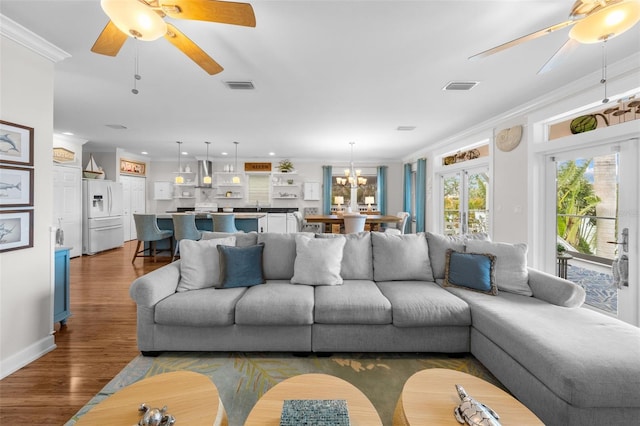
(102, 224)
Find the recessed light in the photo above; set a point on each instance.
(144, 153)
(184, 153)
(272, 154)
(224, 153)
(67, 133)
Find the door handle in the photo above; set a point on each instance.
(625, 240)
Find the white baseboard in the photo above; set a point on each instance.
(26, 356)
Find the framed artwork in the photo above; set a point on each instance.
(16, 186)
(16, 229)
(133, 167)
(16, 144)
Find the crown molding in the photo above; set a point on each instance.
(21, 35)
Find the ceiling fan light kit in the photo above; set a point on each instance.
(135, 19)
(606, 23)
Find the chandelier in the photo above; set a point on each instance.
(352, 176)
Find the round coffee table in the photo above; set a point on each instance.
(429, 397)
(190, 397)
(268, 409)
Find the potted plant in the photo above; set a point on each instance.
(285, 166)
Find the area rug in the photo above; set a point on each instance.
(242, 378)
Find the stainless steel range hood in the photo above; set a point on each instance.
(204, 168)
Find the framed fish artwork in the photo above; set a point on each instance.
(16, 229)
(16, 144)
(16, 186)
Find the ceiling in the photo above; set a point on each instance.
(325, 73)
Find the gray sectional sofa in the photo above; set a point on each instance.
(375, 292)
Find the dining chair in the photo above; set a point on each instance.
(399, 226)
(184, 228)
(224, 223)
(354, 223)
(147, 231)
(302, 225)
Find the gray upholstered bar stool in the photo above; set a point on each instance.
(148, 231)
(225, 222)
(184, 228)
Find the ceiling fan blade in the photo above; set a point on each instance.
(109, 41)
(225, 12)
(560, 55)
(522, 39)
(192, 50)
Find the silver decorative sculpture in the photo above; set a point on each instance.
(474, 413)
(155, 416)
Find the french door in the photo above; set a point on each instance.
(465, 201)
(596, 224)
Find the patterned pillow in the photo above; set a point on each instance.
(474, 271)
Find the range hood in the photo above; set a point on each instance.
(204, 168)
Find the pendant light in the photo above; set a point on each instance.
(236, 178)
(206, 179)
(179, 178)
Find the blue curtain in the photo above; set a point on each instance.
(382, 189)
(327, 182)
(406, 202)
(421, 194)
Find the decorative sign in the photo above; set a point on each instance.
(132, 167)
(63, 155)
(257, 167)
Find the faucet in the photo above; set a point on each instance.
(257, 205)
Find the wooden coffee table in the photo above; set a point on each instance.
(190, 397)
(429, 397)
(268, 409)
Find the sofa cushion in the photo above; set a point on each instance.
(511, 264)
(354, 302)
(199, 263)
(279, 254)
(584, 357)
(400, 257)
(277, 302)
(241, 266)
(438, 246)
(474, 271)
(243, 239)
(423, 303)
(203, 308)
(357, 260)
(318, 261)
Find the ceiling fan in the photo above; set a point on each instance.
(593, 21)
(143, 20)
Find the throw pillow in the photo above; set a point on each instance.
(279, 254)
(241, 266)
(199, 264)
(474, 271)
(438, 245)
(318, 261)
(357, 263)
(511, 264)
(243, 239)
(402, 257)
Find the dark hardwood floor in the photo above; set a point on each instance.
(97, 342)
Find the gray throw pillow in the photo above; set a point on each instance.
(402, 257)
(318, 261)
(279, 254)
(511, 264)
(200, 264)
(357, 263)
(438, 246)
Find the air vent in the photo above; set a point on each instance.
(460, 85)
(405, 128)
(240, 85)
(116, 126)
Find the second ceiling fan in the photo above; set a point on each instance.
(144, 20)
(593, 21)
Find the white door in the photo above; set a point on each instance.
(596, 208)
(465, 201)
(67, 205)
(134, 195)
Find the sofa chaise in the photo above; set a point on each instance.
(376, 292)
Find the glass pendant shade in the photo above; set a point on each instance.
(179, 179)
(135, 19)
(206, 178)
(606, 23)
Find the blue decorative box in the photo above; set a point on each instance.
(315, 412)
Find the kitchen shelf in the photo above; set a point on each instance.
(286, 185)
(238, 197)
(293, 197)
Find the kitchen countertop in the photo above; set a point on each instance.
(203, 215)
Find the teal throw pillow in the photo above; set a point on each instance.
(241, 266)
(474, 271)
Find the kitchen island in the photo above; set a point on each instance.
(246, 222)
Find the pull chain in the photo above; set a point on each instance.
(603, 80)
(136, 75)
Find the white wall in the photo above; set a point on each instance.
(26, 317)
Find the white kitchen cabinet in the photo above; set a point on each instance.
(292, 223)
(312, 191)
(277, 222)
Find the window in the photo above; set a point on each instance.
(258, 192)
(370, 189)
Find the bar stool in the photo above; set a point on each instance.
(224, 223)
(148, 231)
(184, 228)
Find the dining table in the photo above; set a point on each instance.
(373, 220)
